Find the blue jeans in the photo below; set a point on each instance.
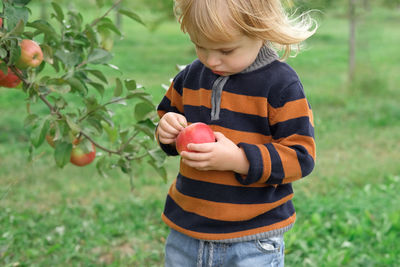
(184, 251)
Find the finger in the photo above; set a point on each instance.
(200, 165)
(182, 121)
(219, 135)
(178, 122)
(194, 156)
(202, 148)
(165, 135)
(167, 128)
(166, 141)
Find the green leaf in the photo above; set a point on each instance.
(130, 84)
(13, 15)
(15, 53)
(99, 56)
(102, 167)
(160, 171)
(70, 59)
(118, 87)
(158, 156)
(47, 53)
(147, 127)
(30, 120)
(99, 87)
(107, 24)
(62, 153)
(59, 14)
(20, 2)
(19, 28)
(38, 134)
(100, 3)
(3, 53)
(77, 85)
(125, 165)
(142, 111)
(131, 15)
(98, 74)
(112, 132)
(44, 27)
(74, 127)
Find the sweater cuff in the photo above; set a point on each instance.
(170, 150)
(256, 168)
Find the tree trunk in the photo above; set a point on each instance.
(43, 10)
(367, 5)
(118, 17)
(352, 39)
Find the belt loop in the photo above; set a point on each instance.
(211, 254)
(200, 254)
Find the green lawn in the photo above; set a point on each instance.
(348, 212)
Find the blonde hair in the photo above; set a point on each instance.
(267, 20)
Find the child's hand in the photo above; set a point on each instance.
(169, 127)
(223, 155)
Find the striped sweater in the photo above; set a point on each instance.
(263, 111)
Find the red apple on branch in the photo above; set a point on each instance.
(9, 80)
(196, 133)
(81, 156)
(31, 54)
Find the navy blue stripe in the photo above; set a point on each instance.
(256, 167)
(292, 92)
(231, 194)
(305, 160)
(165, 105)
(229, 119)
(301, 126)
(277, 172)
(197, 223)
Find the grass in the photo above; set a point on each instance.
(348, 212)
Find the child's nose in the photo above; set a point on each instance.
(213, 60)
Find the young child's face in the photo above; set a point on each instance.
(229, 57)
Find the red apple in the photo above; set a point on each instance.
(80, 157)
(1, 22)
(31, 54)
(196, 133)
(10, 80)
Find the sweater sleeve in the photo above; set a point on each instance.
(291, 154)
(171, 102)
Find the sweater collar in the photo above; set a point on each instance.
(266, 56)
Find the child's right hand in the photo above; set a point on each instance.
(169, 127)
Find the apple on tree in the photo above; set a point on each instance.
(196, 133)
(9, 80)
(81, 155)
(31, 54)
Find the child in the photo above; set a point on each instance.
(231, 201)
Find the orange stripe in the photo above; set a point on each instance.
(245, 137)
(306, 141)
(222, 211)
(175, 98)
(208, 236)
(252, 105)
(290, 163)
(217, 177)
(291, 110)
(200, 97)
(161, 113)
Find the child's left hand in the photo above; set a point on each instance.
(223, 155)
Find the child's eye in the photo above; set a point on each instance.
(226, 52)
